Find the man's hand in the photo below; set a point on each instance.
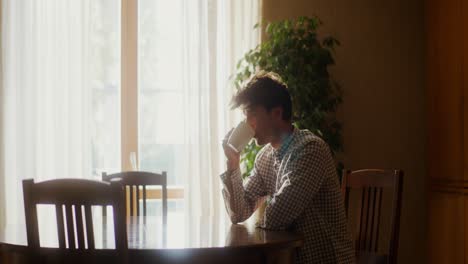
(233, 157)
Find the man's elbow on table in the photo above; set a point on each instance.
(236, 219)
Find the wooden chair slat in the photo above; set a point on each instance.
(79, 227)
(143, 179)
(369, 211)
(131, 200)
(137, 200)
(69, 226)
(89, 227)
(144, 200)
(60, 228)
(63, 194)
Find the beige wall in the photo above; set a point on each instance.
(380, 66)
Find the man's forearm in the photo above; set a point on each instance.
(228, 195)
(239, 209)
(231, 168)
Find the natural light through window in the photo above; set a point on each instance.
(90, 85)
(104, 69)
(159, 92)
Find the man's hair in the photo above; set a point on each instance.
(264, 89)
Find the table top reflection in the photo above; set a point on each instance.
(145, 233)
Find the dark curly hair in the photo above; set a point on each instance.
(264, 89)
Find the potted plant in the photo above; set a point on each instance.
(293, 50)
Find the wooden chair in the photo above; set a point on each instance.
(372, 182)
(70, 196)
(135, 180)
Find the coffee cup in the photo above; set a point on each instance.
(240, 136)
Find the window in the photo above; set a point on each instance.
(150, 86)
(89, 82)
(104, 68)
(151, 94)
(160, 136)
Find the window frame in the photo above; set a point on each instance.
(129, 95)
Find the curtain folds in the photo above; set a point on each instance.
(218, 34)
(49, 86)
(2, 100)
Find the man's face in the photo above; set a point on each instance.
(262, 121)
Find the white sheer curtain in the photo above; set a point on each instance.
(217, 33)
(187, 51)
(2, 178)
(49, 75)
(47, 95)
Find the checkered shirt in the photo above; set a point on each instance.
(300, 183)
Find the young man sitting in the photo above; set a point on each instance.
(295, 170)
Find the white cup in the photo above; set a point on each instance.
(240, 136)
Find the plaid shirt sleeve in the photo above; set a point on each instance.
(240, 199)
(299, 183)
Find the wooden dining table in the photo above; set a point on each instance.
(204, 239)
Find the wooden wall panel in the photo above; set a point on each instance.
(381, 67)
(465, 228)
(446, 219)
(444, 82)
(465, 88)
(465, 118)
(465, 126)
(447, 83)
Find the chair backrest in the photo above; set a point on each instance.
(136, 182)
(71, 197)
(369, 210)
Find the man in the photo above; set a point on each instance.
(294, 169)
